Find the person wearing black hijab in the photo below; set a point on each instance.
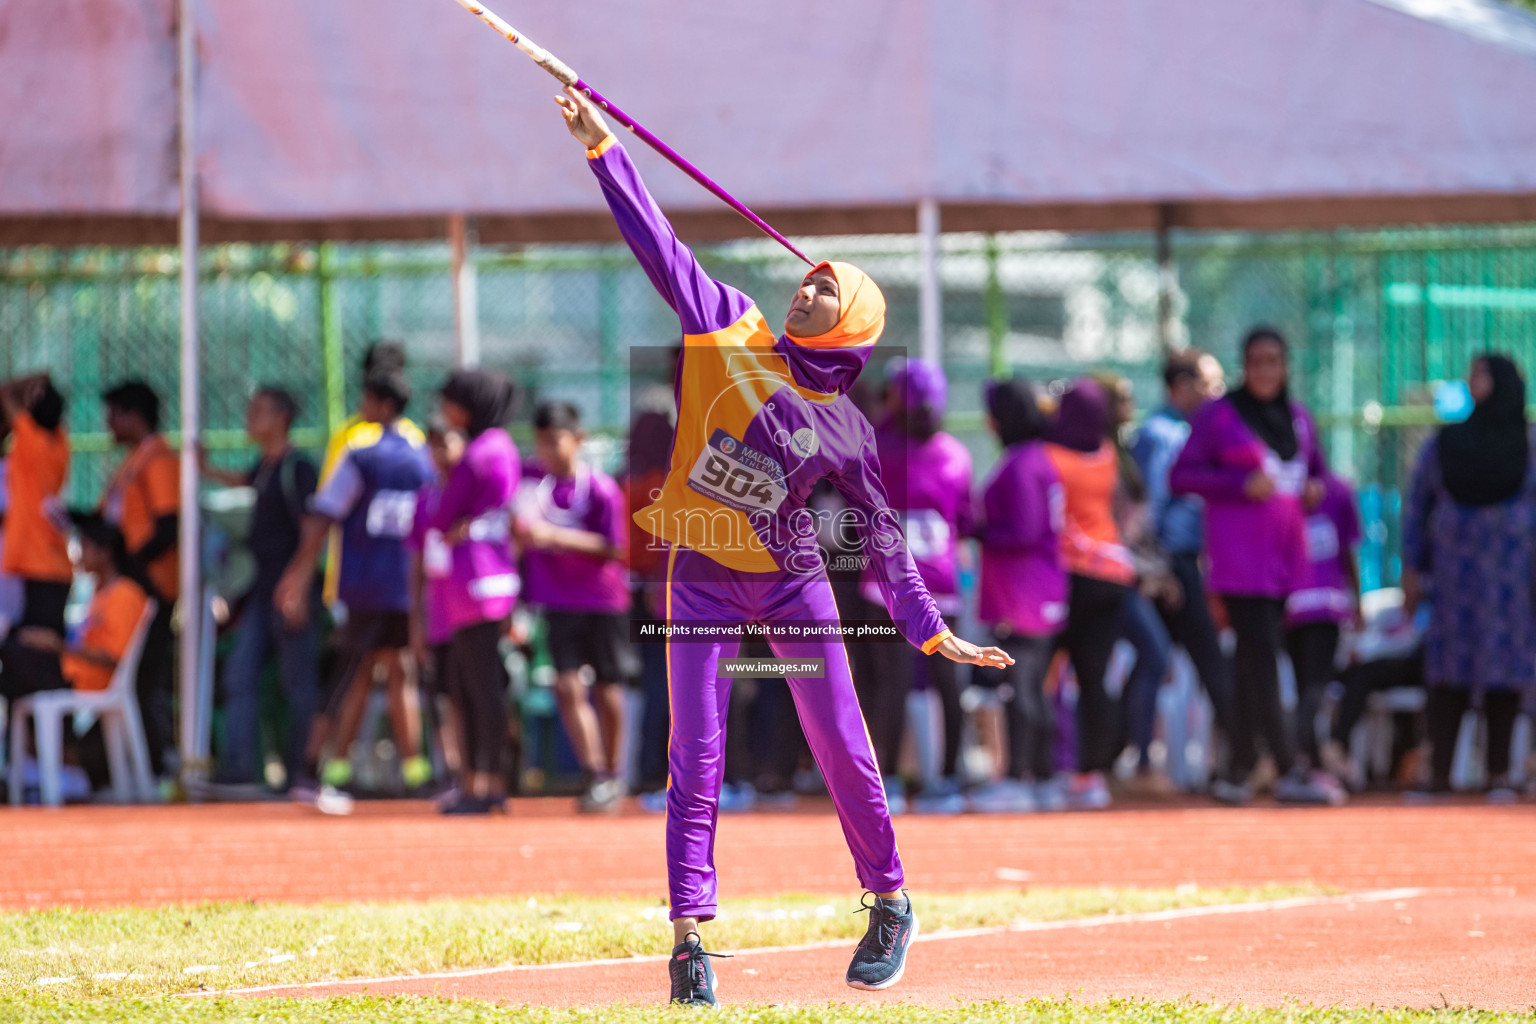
(1254, 458)
(1469, 540)
(484, 396)
(472, 521)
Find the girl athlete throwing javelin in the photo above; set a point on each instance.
(760, 420)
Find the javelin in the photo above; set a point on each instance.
(555, 66)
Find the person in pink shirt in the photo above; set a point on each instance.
(573, 521)
(431, 576)
(1327, 596)
(927, 477)
(473, 517)
(1023, 590)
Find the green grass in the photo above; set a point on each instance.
(363, 1010)
(58, 955)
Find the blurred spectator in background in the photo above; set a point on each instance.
(1326, 597)
(116, 608)
(1140, 624)
(1253, 456)
(371, 495)
(1100, 576)
(1191, 379)
(473, 517)
(572, 523)
(927, 477)
(645, 470)
(284, 480)
(143, 500)
(357, 429)
(1023, 591)
(431, 579)
(1469, 537)
(36, 550)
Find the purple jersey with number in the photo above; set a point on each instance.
(1325, 591)
(482, 582)
(762, 419)
(1023, 578)
(573, 581)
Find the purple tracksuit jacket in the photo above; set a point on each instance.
(1023, 578)
(930, 482)
(761, 419)
(1257, 548)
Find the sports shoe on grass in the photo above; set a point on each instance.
(693, 980)
(881, 958)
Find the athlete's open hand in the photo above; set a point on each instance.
(968, 653)
(582, 117)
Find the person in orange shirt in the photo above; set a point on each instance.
(1100, 576)
(116, 607)
(36, 546)
(143, 501)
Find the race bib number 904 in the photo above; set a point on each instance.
(739, 476)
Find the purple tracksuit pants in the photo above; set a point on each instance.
(698, 588)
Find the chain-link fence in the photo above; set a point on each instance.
(1374, 318)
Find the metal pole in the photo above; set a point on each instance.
(997, 313)
(466, 304)
(930, 331)
(189, 544)
(1167, 280)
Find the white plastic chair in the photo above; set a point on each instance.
(117, 707)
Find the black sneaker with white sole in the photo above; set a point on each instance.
(881, 958)
(693, 980)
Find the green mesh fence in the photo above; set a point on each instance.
(1374, 319)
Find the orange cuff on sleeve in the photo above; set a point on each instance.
(932, 644)
(601, 147)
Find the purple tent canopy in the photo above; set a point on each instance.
(351, 119)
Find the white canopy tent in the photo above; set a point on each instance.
(357, 119)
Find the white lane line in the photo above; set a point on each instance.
(1098, 921)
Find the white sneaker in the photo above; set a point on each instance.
(331, 800)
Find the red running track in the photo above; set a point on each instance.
(1468, 941)
(105, 856)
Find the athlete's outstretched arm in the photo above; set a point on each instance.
(701, 303)
(902, 588)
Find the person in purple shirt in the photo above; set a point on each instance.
(1023, 590)
(1327, 596)
(1254, 457)
(473, 516)
(762, 418)
(572, 524)
(431, 577)
(927, 476)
